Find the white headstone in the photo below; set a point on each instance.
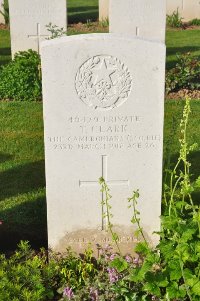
(28, 20)
(141, 18)
(188, 9)
(173, 5)
(2, 20)
(103, 117)
(103, 9)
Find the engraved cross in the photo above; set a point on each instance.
(38, 36)
(104, 165)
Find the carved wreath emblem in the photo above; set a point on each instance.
(103, 82)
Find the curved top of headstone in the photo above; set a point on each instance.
(97, 36)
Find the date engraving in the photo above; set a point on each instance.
(90, 133)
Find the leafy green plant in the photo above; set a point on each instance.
(180, 243)
(195, 22)
(22, 276)
(76, 271)
(171, 271)
(21, 78)
(186, 74)
(55, 31)
(174, 20)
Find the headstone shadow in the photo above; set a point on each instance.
(22, 179)
(5, 53)
(25, 221)
(31, 227)
(5, 157)
(82, 14)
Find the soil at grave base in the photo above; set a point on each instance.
(181, 94)
(3, 26)
(87, 27)
(185, 26)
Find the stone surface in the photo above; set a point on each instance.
(188, 9)
(103, 117)
(103, 9)
(28, 20)
(2, 20)
(142, 18)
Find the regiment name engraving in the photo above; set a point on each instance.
(104, 133)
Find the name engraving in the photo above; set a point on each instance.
(86, 133)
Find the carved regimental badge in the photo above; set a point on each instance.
(103, 82)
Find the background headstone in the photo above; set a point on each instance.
(2, 20)
(103, 116)
(141, 18)
(28, 20)
(188, 9)
(103, 10)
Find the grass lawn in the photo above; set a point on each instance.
(181, 41)
(22, 180)
(82, 11)
(5, 51)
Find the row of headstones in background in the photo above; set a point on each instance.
(2, 20)
(188, 10)
(28, 20)
(143, 19)
(103, 116)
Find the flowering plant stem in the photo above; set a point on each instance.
(107, 214)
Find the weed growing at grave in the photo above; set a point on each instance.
(21, 78)
(174, 20)
(88, 23)
(107, 214)
(104, 22)
(172, 270)
(186, 74)
(55, 31)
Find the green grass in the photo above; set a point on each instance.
(5, 50)
(22, 180)
(82, 11)
(173, 115)
(181, 41)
